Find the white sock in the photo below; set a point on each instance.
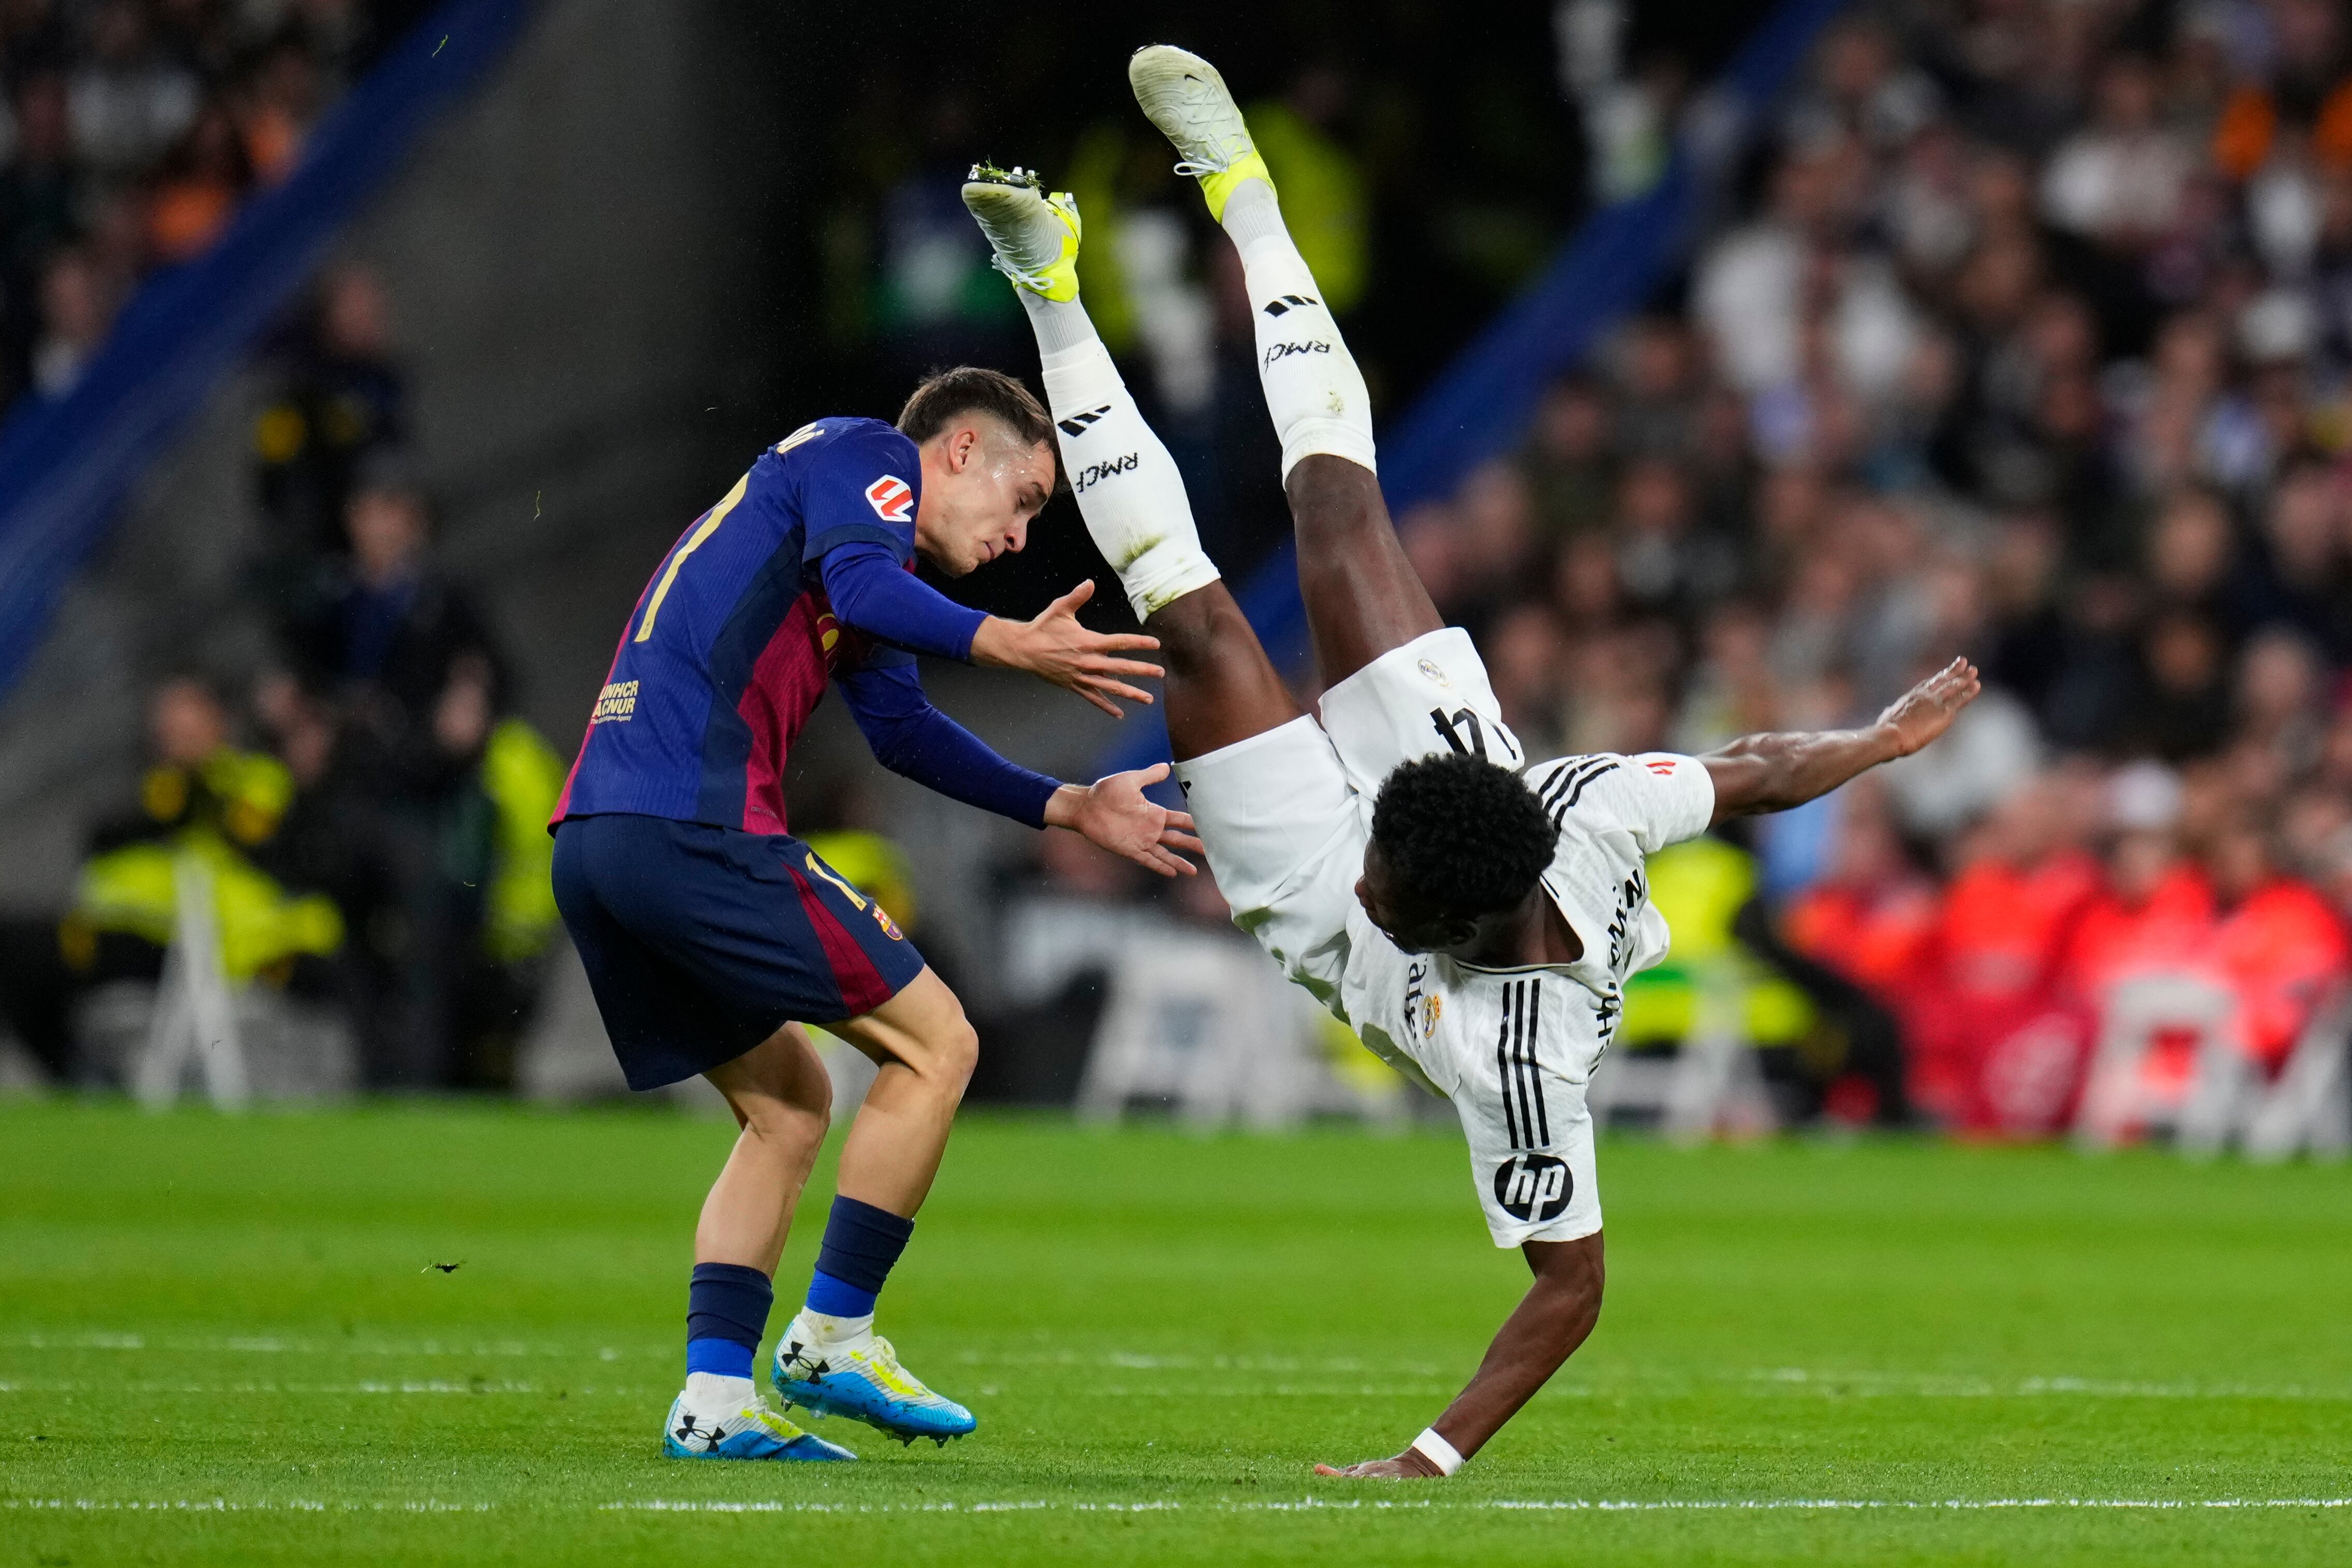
(1313, 388)
(716, 1396)
(1059, 323)
(1128, 490)
(822, 1330)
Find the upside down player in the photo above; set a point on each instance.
(1473, 917)
(710, 935)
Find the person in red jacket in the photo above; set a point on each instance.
(2281, 944)
(1992, 960)
(2153, 913)
(1872, 915)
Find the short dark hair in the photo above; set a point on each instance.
(1462, 835)
(973, 389)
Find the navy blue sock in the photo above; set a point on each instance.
(861, 1242)
(726, 1312)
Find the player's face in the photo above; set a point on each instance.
(1413, 926)
(980, 495)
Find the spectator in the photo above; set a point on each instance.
(2280, 946)
(1873, 914)
(404, 647)
(2120, 181)
(202, 180)
(1571, 461)
(417, 680)
(281, 103)
(75, 316)
(341, 396)
(41, 189)
(204, 800)
(130, 101)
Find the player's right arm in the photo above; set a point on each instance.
(1773, 772)
(916, 740)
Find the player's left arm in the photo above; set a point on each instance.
(1774, 772)
(916, 740)
(1552, 1319)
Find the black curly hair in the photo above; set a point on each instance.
(1460, 835)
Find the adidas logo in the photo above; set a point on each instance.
(1076, 423)
(1285, 304)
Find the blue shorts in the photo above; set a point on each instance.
(700, 941)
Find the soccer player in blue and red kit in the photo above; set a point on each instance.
(712, 935)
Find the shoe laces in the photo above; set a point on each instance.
(1036, 282)
(762, 1415)
(882, 1356)
(1232, 148)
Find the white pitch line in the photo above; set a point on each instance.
(1597, 1505)
(223, 1505)
(1629, 1383)
(1171, 1505)
(336, 1390)
(287, 1344)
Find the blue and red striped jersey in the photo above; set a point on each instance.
(732, 641)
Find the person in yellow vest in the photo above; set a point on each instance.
(1824, 1046)
(202, 798)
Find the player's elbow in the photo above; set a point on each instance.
(1580, 1296)
(1570, 1278)
(893, 741)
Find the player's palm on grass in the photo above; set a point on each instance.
(1408, 1465)
(1928, 709)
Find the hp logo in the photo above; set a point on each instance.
(1533, 1187)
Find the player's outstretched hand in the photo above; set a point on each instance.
(1928, 709)
(1055, 647)
(1409, 1466)
(1116, 814)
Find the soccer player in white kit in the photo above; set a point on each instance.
(1473, 917)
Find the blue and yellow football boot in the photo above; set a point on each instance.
(755, 1432)
(866, 1384)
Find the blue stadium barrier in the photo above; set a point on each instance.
(1479, 406)
(68, 464)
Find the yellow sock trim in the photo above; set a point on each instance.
(1064, 270)
(1217, 187)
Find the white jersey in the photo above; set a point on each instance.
(1286, 816)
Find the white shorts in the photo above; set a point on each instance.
(1285, 815)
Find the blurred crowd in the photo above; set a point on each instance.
(368, 813)
(131, 130)
(2029, 338)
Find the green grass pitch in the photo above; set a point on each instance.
(220, 1342)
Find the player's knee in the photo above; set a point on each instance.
(956, 1053)
(1331, 490)
(798, 1112)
